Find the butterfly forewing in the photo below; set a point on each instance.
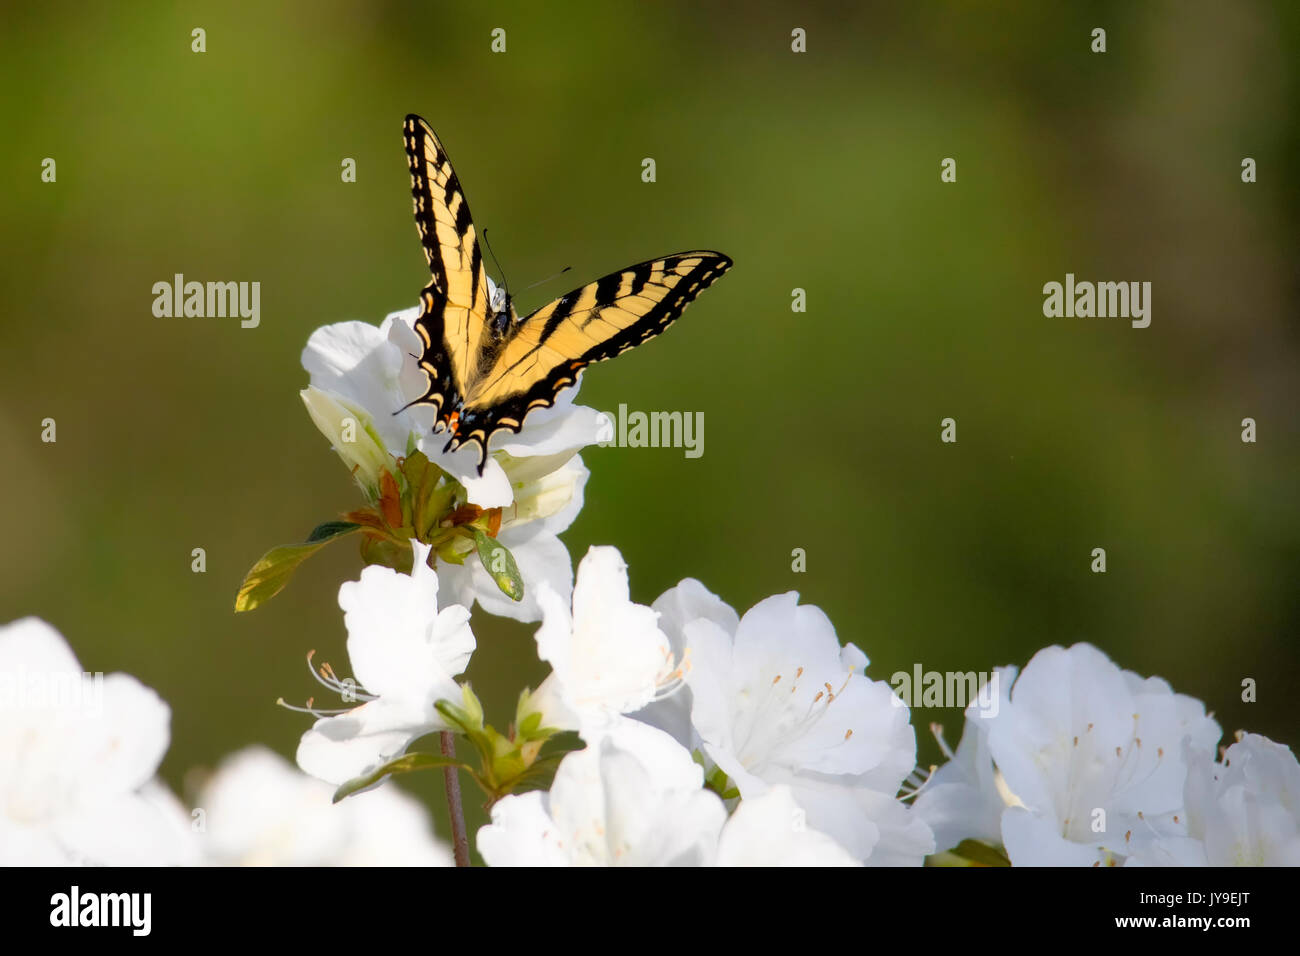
(455, 302)
(597, 322)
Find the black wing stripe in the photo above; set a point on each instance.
(607, 288)
(475, 264)
(422, 193)
(664, 313)
(640, 276)
(563, 309)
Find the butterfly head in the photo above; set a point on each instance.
(502, 308)
(498, 298)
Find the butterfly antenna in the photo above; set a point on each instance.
(501, 272)
(548, 278)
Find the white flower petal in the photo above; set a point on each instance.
(522, 833)
(31, 646)
(341, 747)
(261, 811)
(1033, 840)
(873, 827)
(961, 801)
(632, 798)
(772, 830)
(563, 428)
(781, 694)
(608, 655)
(399, 643)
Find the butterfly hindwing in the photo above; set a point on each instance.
(487, 373)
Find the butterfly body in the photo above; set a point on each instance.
(488, 368)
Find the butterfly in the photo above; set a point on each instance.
(487, 368)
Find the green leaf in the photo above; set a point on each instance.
(331, 529)
(500, 564)
(403, 764)
(271, 573)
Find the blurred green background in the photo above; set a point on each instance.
(818, 171)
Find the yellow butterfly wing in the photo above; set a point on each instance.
(455, 303)
(542, 354)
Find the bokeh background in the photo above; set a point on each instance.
(818, 171)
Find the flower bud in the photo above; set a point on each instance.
(351, 432)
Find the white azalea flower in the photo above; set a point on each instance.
(964, 799)
(364, 365)
(1082, 745)
(677, 607)
(259, 810)
(607, 654)
(376, 368)
(1244, 811)
(780, 702)
(534, 476)
(405, 653)
(78, 758)
(634, 797)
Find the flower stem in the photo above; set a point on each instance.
(455, 809)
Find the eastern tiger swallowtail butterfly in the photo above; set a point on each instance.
(487, 367)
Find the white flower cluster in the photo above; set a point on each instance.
(771, 700)
(79, 755)
(770, 707)
(708, 738)
(665, 697)
(1085, 764)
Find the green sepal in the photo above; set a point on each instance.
(507, 762)
(429, 500)
(970, 853)
(447, 551)
(273, 570)
(389, 554)
(528, 721)
(717, 781)
(470, 713)
(529, 726)
(538, 776)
